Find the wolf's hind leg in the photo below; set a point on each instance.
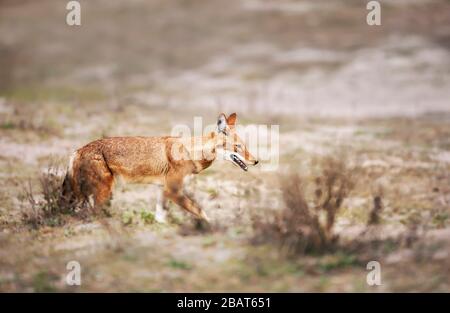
(98, 182)
(103, 192)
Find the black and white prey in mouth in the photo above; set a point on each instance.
(239, 162)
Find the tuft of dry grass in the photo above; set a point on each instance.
(374, 216)
(301, 227)
(47, 207)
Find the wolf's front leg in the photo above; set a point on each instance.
(173, 190)
(161, 207)
(186, 203)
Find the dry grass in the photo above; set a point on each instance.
(374, 216)
(263, 63)
(47, 207)
(301, 227)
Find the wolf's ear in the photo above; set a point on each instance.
(221, 123)
(231, 120)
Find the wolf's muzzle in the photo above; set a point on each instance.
(235, 158)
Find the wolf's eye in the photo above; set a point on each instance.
(238, 147)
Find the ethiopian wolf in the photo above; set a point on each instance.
(94, 168)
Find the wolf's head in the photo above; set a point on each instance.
(234, 147)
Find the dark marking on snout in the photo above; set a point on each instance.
(239, 162)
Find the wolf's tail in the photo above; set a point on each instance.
(67, 188)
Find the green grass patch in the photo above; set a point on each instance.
(44, 282)
(147, 217)
(8, 125)
(336, 261)
(179, 264)
(127, 217)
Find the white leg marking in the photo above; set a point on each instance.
(91, 201)
(205, 217)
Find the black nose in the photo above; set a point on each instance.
(256, 162)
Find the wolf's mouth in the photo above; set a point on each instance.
(239, 162)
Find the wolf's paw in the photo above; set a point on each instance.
(202, 225)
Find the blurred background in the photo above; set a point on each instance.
(138, 67)
(310, 57)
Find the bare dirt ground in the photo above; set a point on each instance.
(380, 95)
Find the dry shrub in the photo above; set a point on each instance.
(374, 216)
(302, 227)
(47, 207)
(377, 188)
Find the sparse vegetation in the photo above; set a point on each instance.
(47, 207)
(178, 264)
(300, 227)
(147, 217)
(273, 66)
(127, 217)
(374, 217)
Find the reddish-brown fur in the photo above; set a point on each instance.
(95, 167)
